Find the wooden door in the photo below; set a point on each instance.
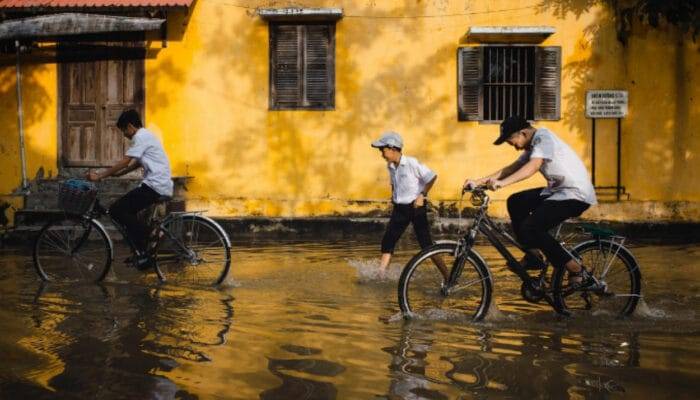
(93, 94)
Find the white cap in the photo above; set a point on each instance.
(389, 139)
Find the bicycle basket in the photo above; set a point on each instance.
(76, 196)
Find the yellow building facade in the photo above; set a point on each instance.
(207, 96)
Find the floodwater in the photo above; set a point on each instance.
(310, 320)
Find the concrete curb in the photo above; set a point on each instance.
(314, 228)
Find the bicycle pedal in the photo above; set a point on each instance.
(145, 263)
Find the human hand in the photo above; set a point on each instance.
(470, 184)
(494, 184)
(419, 201)
(92, 176)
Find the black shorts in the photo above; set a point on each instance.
(401, 216)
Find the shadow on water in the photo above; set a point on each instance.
(305, 327)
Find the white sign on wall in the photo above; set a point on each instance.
(606, 103)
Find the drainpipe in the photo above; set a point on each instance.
(20, 120)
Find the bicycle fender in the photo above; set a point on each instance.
(109, 238)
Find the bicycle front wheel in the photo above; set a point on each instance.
(72, 250)
(422, 292)
(193, 250)
(618, 275)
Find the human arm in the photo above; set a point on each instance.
(124, 163)
(420, 200)
(426, 178)
(133, 164)
(524, 172)
(502, 173)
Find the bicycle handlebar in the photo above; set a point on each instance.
(474, 189)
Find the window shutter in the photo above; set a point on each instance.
(547, 83)
(470, 70)
(318, 66)
(285, 85)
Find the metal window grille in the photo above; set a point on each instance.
(509, 82)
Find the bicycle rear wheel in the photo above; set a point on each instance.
(617, 272)
(421, 290)
(193, 250)
(72, 249)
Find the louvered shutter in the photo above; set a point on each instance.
(319, 66)
(285, 66)
(547, 83)
(470, 67)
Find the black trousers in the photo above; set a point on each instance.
(125, 211)
(533, 216)
(401, 216)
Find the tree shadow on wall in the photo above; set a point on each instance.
(661, 142)
(323, 152)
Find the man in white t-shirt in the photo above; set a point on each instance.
(533, 212)
(410, 183)
(146, 151)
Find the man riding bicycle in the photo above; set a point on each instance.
(534, 212)
(146, 151)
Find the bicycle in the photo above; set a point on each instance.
(187, 247)
(469, 288)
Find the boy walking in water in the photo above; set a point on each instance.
(410, 183)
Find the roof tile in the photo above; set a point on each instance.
(59, 4)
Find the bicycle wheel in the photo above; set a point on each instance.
(193, 250)
(421, 291)
(620, 281)
(73, 249)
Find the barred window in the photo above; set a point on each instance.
(499, 81)
(302, 66)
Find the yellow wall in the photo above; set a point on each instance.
(39, 108)
(207, 96)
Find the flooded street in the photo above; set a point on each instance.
(309, 320)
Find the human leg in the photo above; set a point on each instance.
(398, 222)
(421, 227)
(125, 211)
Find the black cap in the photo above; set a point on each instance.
(511, 125)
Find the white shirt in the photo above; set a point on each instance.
(567, 177)
(408, 179)
(146, 148)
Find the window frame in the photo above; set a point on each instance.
(471, 82)
(303, 66)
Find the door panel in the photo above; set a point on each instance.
(93, 94)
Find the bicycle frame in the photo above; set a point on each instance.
(98, 211)
(498, 238)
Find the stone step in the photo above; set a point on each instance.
(28, 217)
(49, 200)
(43, 193)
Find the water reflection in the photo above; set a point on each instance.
(296, 376)
(133, 333)
(311, 322)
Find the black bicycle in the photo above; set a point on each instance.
(188, 247)
(469, 288)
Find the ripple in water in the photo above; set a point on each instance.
(368, 271)
(644, 311)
